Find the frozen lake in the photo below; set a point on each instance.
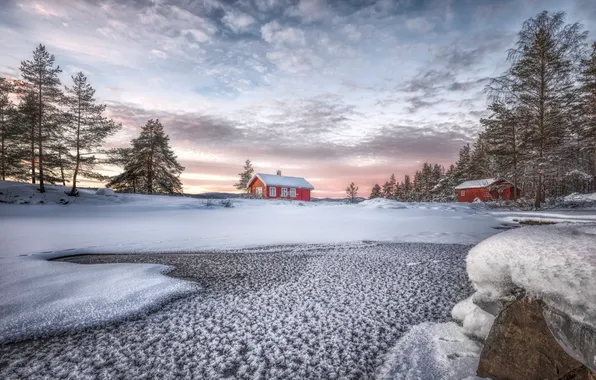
(280, 312)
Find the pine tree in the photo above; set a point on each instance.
(151, 167)
(8, 161)
(352, 192)
(375, 192)
(407, 188)
(245, 176)
(88, 128)
(461, 172)
(389, 188)
(541, 81)
(27, 115)
(42, 76)
(502, 136)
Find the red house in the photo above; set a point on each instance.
(490, 189)
(280, 187)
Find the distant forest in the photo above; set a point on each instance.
(55, 134)
(541, 132)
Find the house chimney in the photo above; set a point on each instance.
(278, 172)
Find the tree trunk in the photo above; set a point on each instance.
(73, 191)
(42, 188)
(3, 151)
(32, 150)
(150, 168)
(541, 110)
(61, 167)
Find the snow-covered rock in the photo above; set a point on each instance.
(556, 264)
(105, 191)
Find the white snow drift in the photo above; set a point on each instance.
(554, 263)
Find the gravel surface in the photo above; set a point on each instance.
(290, 312)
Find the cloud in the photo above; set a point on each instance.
(419, 24)
(419, 102)
(426, 81)
(467, 85)
(309, 11)
(274, 33)
(238, 21)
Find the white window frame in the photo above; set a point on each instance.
(463, 193)
(272, 191)
(284, 192)
(293, 192)
(259, 191)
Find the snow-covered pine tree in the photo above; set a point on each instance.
(389, 188)
(151, 167)
(541, 80)
(88, 128)
(407, 188)
(482, 164)
(245, 177)
(41, 75)
(375, 192)
(352, 192)
(461, 171)
(503, 140)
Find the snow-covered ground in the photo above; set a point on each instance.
(298, 312)
(39, 297)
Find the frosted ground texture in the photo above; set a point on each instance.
(298, 312)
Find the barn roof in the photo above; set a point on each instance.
(476, 184)
(283, 181)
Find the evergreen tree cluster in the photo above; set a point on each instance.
(541, 130)
(55, 134)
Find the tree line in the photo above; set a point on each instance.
(54, 134)
(541, 130)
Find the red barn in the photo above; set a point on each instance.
(490, 189)
(280, 187)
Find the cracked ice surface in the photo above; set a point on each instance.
(301, 312)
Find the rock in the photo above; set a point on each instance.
(521, 347)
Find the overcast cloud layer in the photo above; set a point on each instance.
(336, 90)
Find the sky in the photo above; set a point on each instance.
(331, 90)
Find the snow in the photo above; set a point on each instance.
(554, 263)
(577, 197)
(290, 312)
(40, 297)
(476, 322)
(105, 191)
(284, 181)
(432, 351)
(476, 183)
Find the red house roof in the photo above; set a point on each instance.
(282, 181)
(477, 184)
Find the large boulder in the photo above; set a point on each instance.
(520, 346)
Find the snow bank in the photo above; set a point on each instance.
(554, 263)
(432, 351)
(28, 194)
(577, 197)
(105, 191)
